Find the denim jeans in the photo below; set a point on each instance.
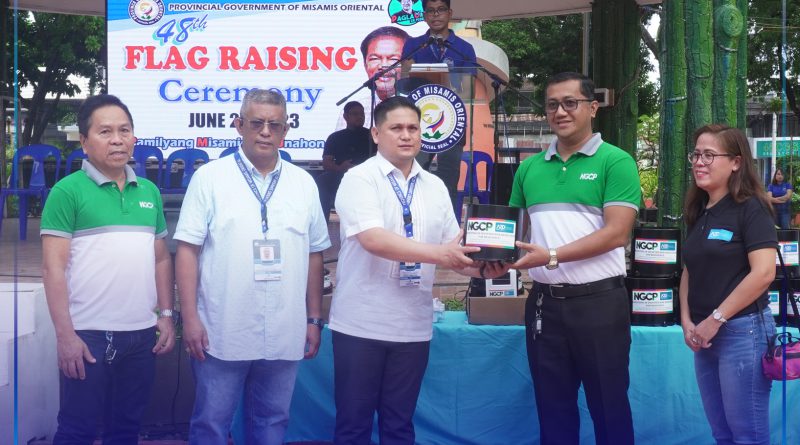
(732, 385)
(115, 393)
(267, 386)
(782, 220)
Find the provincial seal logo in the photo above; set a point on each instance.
(146, 12)
(444, 117)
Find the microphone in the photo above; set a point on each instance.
(438, 40)
(431, 41)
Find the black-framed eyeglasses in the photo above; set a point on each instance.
(437, 11)
(567, 104)
(706, 157)
(258, 125)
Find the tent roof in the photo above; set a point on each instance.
(463, 9)
(79, 7)
(488, 10)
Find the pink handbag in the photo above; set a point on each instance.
(783, 350)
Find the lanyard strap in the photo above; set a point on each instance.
(405, 203)
(438, 53)
(248, 177)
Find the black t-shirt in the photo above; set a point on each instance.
(715, 253)
(348, 144)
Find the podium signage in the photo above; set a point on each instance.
(444, 117)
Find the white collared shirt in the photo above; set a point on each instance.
(368, 300)
(247, 319)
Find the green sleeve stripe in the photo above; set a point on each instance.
(58, 233)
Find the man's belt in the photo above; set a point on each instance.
(579, 290)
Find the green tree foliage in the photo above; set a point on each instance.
(765, 46)
(648, 178)
(649, 92)
(51, 48)
(539, 47)
(647, 153)
(536, 49)
(648, 134)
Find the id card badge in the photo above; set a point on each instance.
(267, 260)
(409, 274)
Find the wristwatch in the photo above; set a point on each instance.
(553, 263)
(718, 316)
(318, 322)
(165, 313)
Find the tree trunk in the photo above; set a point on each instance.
(728, 27)
(4, 42)
(699, 45)
(741, 72)
(616, 35)
(37, 108)
(44, 118)
(672, 159)
(649, 41)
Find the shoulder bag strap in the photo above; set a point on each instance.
(787, 293)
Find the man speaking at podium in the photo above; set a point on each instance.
(456, 53)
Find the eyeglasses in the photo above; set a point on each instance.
(706, 157)
(437, 11)
(258, 125)
(566, 104)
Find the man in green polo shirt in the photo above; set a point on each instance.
(108, 279)
(582, 196)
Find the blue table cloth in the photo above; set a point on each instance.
(478, 390)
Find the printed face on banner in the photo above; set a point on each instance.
(405, 12)
(381, 53)
(193, 62)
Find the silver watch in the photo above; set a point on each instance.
(165, 313)
(553, 263)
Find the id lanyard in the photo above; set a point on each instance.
(438, 52)
(405, 203)
(248, 177)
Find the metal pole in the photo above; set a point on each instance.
(774, 144)
(585, 58)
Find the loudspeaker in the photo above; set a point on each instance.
(502, 181)
(172, 395)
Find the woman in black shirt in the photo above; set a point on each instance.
(729, 258)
